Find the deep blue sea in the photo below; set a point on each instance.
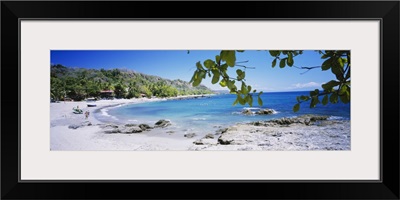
(217, 111)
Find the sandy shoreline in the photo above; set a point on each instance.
(90, 134)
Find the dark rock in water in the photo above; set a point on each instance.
(258, 124)
(247, 112)
(209, 136)
(144, 127)
(224, 141)
(198, 142)
(265, 112)
(221, 131)
(130, 125)
(133, 129)
(190, 135)
(74, 126)
(304, 119)
(108, 126)
(111, 131)
(170, 132)
(162, 123)
(205, 142)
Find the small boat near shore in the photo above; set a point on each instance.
(90, 104)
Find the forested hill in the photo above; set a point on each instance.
(81, 83)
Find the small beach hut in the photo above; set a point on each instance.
(107, 94)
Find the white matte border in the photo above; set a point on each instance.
(39, 163)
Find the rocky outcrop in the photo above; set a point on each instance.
(247, 112)
(205, 141)
(76, 126)
(221, 131)
(125, 129)
(190, 135)
(145, 127)
(265, 112)
(132, 129)
(304, 119)
(162, 123)
(225, 141)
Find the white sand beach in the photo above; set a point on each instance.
(72, 132)
(91, 136)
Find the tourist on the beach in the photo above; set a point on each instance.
(86, 114)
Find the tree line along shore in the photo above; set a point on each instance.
(77, 84)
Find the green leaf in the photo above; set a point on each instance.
(260, 102)
(216, 76)
(329, 85)
(282, 63)
(196, 82)
(250, 101)
(241, 74)
(229, 57)
(314, 93)
(290, 61)
(326, 64)
(314, 101)
(231, 84)
(199, 67)
(325, 100)
(333, 98)
(236, 101)
(338, 72)
(340, 61)
(218, 59)
(209, 63)
(193, 77)
(249, 88)
(224, 67)
(274, 53)
(241, 100)
(304, 98)
(244, 88)
(202, 74)
(274, 63)
(324, 56)
(222, 83)
(345, 98)
(296, 107)
(343, 90)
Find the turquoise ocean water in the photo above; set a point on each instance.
(207, 114)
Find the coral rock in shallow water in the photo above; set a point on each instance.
(265, 112)
(190, 135)
(162, 123)
(144, 127)
(133, 129)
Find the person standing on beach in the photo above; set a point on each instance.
(86, 114)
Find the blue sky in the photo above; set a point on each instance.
(177, 64)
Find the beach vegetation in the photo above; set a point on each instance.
(80, 83)
(335, 61)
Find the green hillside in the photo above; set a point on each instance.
(80, 83)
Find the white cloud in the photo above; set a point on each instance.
(304, 85)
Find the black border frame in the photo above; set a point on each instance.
(386, 11)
